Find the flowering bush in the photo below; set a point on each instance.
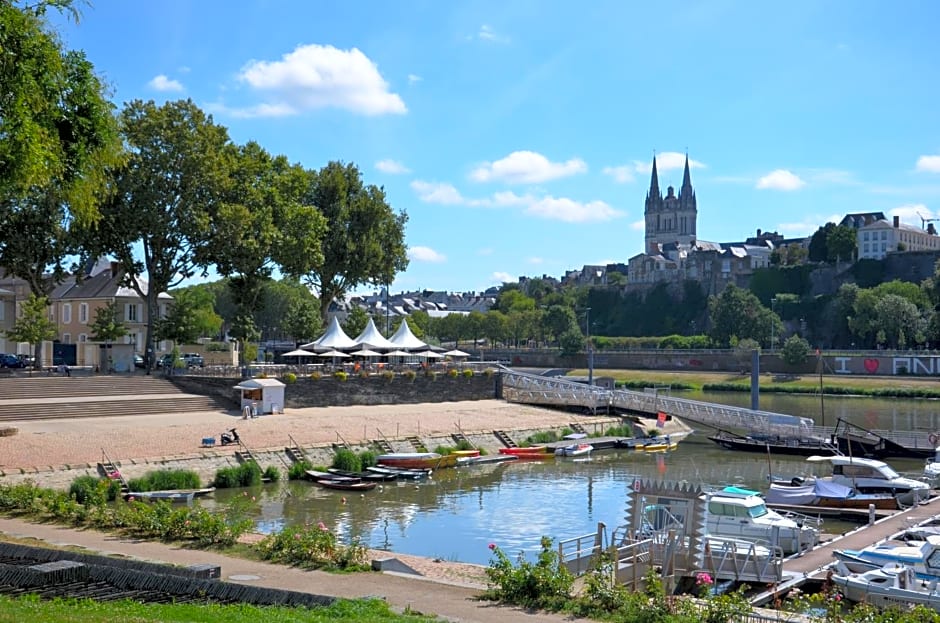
(311, 546)
(467, 373)
(453, 373)
(545, 584)
(289, 378)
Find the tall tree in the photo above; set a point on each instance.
(107, 327)
(365, 240)
(841, 244)
(736, 315)
(818, 249)
(189, 317)
(302, 322)
(355, 322)
(260, 209)
(34, 326)
(162, 198)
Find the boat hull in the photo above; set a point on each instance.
(342, 485)
(522, 452)
(799, 447)
(171, 495)
(415, 460)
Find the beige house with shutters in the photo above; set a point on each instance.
(7, 316)
(74, 304)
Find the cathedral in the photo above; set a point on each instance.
(670, 219)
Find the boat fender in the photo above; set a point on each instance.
(797, 481)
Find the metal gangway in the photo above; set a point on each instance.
(556, 391)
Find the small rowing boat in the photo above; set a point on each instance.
(412, 460)
(575, 449)
(170, 495)
(343, 485)
(524, 452)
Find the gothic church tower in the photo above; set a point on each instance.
(671, 218)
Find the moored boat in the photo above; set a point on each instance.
(873, 476)
(891, 586)
(169, 495)
(466, 454)
(362, 475)
(743, 514)
(412, 460)
(404, 473)
(344, 485)
(791, 446)
(576, 449)
(820, 492)
(312, 474)
(524, 451)
(922, 557)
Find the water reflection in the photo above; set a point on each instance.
(455, 515)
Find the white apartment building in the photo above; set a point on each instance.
(880, 237)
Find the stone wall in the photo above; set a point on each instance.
(372, 390)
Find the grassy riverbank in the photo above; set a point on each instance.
(901, 386)
(31, 608)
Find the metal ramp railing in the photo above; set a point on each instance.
(533, 389)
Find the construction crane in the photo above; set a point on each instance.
(924, 220)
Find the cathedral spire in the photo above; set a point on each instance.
(686, 190)
(654, 183)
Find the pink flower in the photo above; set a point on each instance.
(838, 597)
(703, 579)
(322, 526)
(492, 546)
(130, 499)
(296, 536)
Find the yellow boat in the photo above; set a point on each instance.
(656, 446)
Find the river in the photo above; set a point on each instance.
(455, 515)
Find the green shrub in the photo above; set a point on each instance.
(247, 474)
(463, 444)
(165, 480)
(444, 450)
(315, 375)
(297, 470)
(453, 373)
(545, 584)
(289, 378)
(619, 431)
(368, 458)
(271, 473)
(341, 376)
(347, 460)
(388, 375)
(545, 436)
(311, 546)
(94, 490)
(411, 375)
(467, 373)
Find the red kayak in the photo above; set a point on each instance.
(524, 451)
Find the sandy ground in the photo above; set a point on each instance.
(54, 443)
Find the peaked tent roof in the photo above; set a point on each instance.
(371, 338)
(405, 339)
(334, 338)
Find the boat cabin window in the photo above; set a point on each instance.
(757, 511)
(933, 561)
(856, 471)
(728, 510)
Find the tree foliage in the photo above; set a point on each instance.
(365, 240)
(34, 325)
(162, 197)
(841, 244)
(107, 325)
(355, 322)
(737, 315)
(190, 317)
(795, 350)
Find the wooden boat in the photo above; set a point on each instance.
(315, 475)
(465, 454)
(575, 449)
(343, 485)
(891, 586)
(362, 475)
(412, 460)
(486, 460)
(656, 446)
(792, 446)
(819, 492)
(856, 440)
(401, 472)
(520, 452)
(170, 495)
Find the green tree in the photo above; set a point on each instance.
(365, 242)
(737, 315)
(419, 322)
(57, 130)
(899, 322)
(571, 340)
(162, 198)
(302, 322)
(496, 327)
(795, 351)
(841, 244)
(34, 326)
(107, 327)
(34, 241)
(355, 322)
(244, 330)
(818, 248)
(558, 319)
(511, 301)
(189, 317)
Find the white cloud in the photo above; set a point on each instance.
(163, 83)
(527, 167)
(912, 213)
(780, 179)
(487, 33)
(638, 225)
(392, 167)
(503, 277)
(414, 78)
(546, 206)
(535, 260)
(621, 174)
(425, 254)
(929, 164)
(667, 161)
(437, 192)
(320, 76)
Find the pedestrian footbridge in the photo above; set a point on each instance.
(561, 392)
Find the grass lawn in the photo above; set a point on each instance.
(697, 379)
(30, 608)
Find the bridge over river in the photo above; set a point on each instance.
(561, 392)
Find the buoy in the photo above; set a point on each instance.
(343, 499)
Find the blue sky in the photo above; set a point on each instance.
(518, 135)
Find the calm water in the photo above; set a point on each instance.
(458, 513)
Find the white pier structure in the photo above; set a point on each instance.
(558, 391)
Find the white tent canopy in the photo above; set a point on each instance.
(365, 352)
(299, 353)
(333, 353)
(371, 338)
(399, 353)
(430, 354)
(334, 338)
(456, 353)
(405, 339)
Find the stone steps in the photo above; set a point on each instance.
(107, 408)
(23, 388)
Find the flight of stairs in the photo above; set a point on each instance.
(417, 444)
(96, 396)
(505, 439)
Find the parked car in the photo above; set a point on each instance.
(28, 360)
(193, 360)
(166, 361)
(138, 361)
(11, 361)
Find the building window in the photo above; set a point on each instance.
(865, 235)
(66, 338)
(884, 235)
(131, 312)
(66, 313)
(82, 338)
(83, 313)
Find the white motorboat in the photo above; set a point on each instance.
(891, 586)
(923, 557)
(867, 476)
(575, 449)
(743, 514)
(932, 469)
